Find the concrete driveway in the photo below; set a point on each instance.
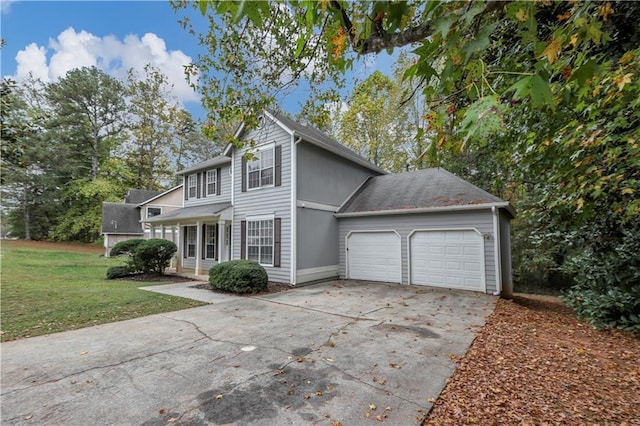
(343, 351)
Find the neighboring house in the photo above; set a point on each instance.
(123, 221)
(307, 208)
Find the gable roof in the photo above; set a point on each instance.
(121, 218)
(175, 188)
(137, 196)
(418, 191)
(316, 137)
(215, 161)
(192, 212)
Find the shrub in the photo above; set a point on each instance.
(239, 277)
(118, 272)
(126, 248)
(153, 256)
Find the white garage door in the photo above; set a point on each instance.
(374, 256)
(451, 259)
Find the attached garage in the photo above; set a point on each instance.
(374, 256)
(428, 228)
(447, 258)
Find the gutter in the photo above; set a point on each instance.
(462, 207)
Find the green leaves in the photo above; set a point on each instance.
(534, 88)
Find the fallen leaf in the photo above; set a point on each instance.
(336, 423)
(219, 396)
(367, 414)
(392, 365)
(84, 352)
(28, 417)
(372, 406)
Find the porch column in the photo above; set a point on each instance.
(179, 253)
(222, 252)
(199, 237)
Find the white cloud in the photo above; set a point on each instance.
(73, 49)
(5, 6)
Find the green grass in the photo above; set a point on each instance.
(45, 291)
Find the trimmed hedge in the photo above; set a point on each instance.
(127, 247)
(153, 256)
(239, 277)
(119, 272)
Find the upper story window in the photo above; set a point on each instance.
(192, 186)
(212, 182)
(153, 211)
(260, 169)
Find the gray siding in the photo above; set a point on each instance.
(274, 200)
(225, 189)
(324, 177)
(481, 220)
(317, 238)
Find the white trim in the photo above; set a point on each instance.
(319, 273)
(316, 206)
(258, 218)
(496, 251)
(480, 234)
(279, 123)
(426, 210)
(265, 147)
(294, 212)
(365, 231)
(146, 216)
(214, 172)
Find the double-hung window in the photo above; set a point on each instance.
(260, 168)
(212, 182)
(190, 241)
(192, 186)
(260, 241)
(153, 211)
(210, 234)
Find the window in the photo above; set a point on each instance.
(190, 236)
(192, 185)
(260, 169)
(153, 211)
(260, 241)
(210, 234)
(212, 182)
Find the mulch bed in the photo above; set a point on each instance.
(272, 287)
(534, 363)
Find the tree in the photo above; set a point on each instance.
(152, 125)
(88, 109)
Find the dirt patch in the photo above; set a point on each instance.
(272, 287)
(51, 245)
(535, 363)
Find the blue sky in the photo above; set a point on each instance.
(48, 38)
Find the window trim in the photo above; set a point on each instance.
(214, 173)
(258, 152)
(207, 227)
(187, 242)
(258, 219)
(194, 187)
(153, 207)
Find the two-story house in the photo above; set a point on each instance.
(307, 208)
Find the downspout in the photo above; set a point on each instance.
(294, 208)
(496, 251)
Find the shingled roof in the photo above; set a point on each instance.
(420, 190)
(215, 161)
(192, 212)
(138, 196)
(121, 218)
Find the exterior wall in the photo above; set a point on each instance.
(111, 240)
(225, 189)
(317, 241)
(275, 200)
(505, 253)
(324, 177)
(481, 220)
(167, 203)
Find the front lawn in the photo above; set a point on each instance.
(47, 288)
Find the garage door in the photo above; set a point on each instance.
(451, 259)
(374, 256)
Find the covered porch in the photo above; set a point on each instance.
(201, 233)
